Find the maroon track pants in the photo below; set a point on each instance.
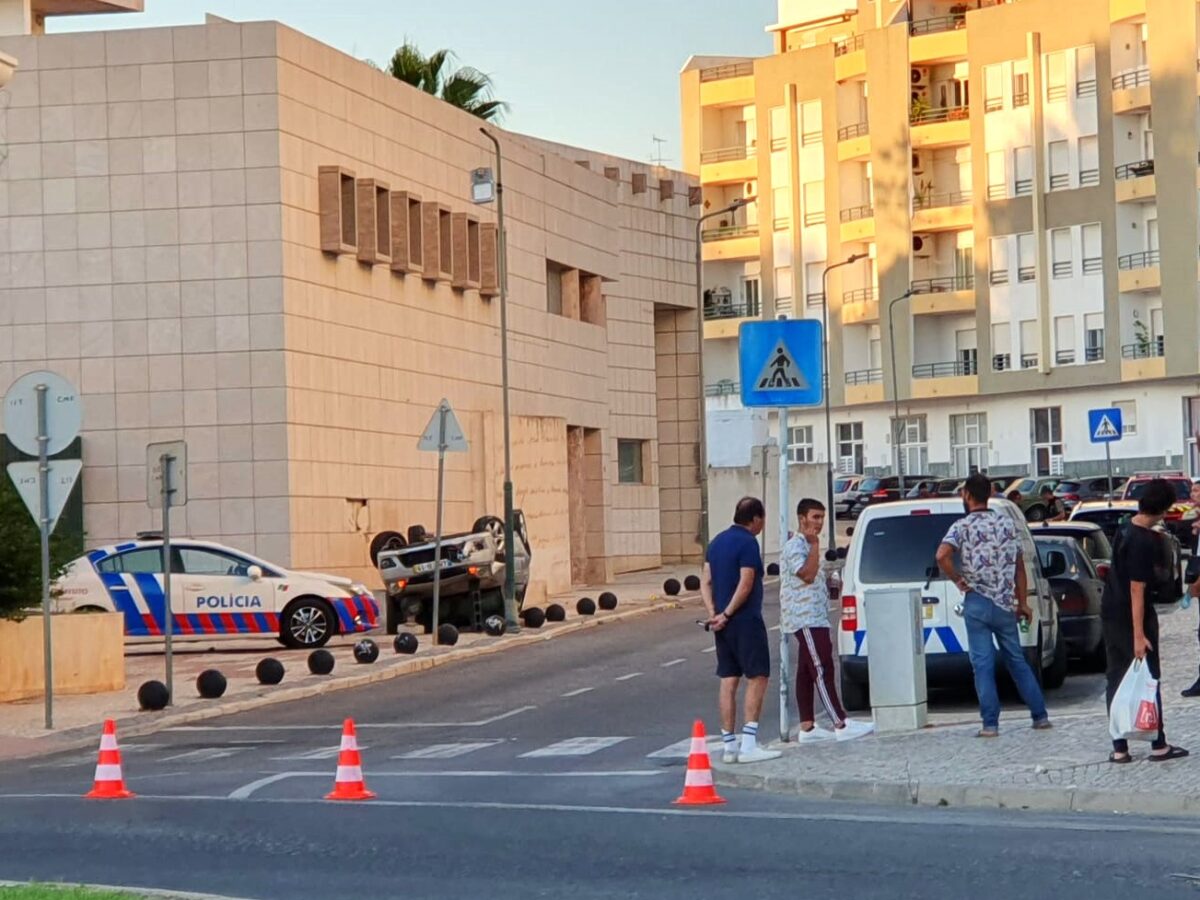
(815, 671)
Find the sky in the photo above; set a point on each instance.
(602, 75)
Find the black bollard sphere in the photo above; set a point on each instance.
(495, 625)
(366, 651)
(533, 617)
(153, 695)
(555, 613)
(671, 587)
(608, 600)
(447, 634)
(211, 684)
(269, 671)
(406, 642)
(320, 662)
(586, 606)
(692, 583)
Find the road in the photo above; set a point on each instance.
(544, 772)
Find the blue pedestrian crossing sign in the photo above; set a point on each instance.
(780, 363)
(1104, 425)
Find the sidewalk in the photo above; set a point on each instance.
(1066, 768)
(78, 718)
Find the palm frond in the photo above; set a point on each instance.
(409, 65)
(435, 76)
(471, 90)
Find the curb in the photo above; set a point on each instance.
(975, 796)
(139, 892)
(139, 724)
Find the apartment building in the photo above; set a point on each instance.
(1020, 181)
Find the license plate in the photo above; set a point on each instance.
(928, 611)
(422, 568)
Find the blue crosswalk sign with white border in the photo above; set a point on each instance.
(780, 363)
(1104, 425)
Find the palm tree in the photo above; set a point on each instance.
(464, 87)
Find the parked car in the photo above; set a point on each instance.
(1089, 535)
(894, 546)
(885, 488)
(216, 591)
(1075, 490)
(952, 487)
(1176, 519)
(1112, 515)
(845, 493)
(925, 487)
(1077, 585)
(1030, 490)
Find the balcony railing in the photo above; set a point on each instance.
(729, 70)
(997, 192)
(854, 213)
(1061, 269)
(726, 154)
(1029, 360)
(1135, 169)
(814, 299)
(779, 143)
(949, 198)
(1023, 187)
(1131, 79)
(1026, 273)
(846, 132)
(943, 284)
(743, 309)
(938, 23)
(1020, 98)
(1142, 260)
(723, 388)
(848, 45)
(939, 114)
(1143, 349)
(725, 232)
(1093, 354)
(1093, 265)
(1060, 180)
(1085, 88)
(998, 276)
(1064, 358)
(865, 376)
(1089, 177)
(858, 295)
(1056, 92)
(945, 369)
(993, 104)
(1001, 362)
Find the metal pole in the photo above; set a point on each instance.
(437, 543)
(511, 621)
(164, 463)
(895, 390)
(43, 440)
(1108, 460)
(766, 456)
(784, 644)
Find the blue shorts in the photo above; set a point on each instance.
(743, 650)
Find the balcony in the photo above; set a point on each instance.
(849, 58)
(723, 388)
(938, 39)
(864, 386)
(730, 242)
(945, 369)
(944, 126)
(1138, 272)
(1145, 359)
(730, 84)
(857, 223)
(1093, 354)
(1131, 91)
(944, 295)
(722, 316)
(945, 379)
(1135, 182)
(950, 211)
(860, 306)
(854, 141)
(728, 165)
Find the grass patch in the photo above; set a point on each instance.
(64, 892)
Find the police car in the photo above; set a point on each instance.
(216, 591)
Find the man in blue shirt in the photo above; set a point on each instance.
(732, 589)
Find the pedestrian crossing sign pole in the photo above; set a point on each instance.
(1104, 427)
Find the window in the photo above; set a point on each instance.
(1093, 264)
(814, 290)
(1056, 77)
(1128, 410)
(783, 284)
(750, 294)
(993, 88)
(146, 561)
(1046, 425)
(781, 208)
(851, 455)
(966, 352)
(1064, 340)
(554, 273)
(814, 203)
(1001, 346)
(800, 444)
(210, 562)
(998, 273)
(810, 122)
(913, 449)
(997, 176)
(1022, 171)
(1020, 83)
(1060, 252)
(899, 549)
(874, 348)
(1060, 165)
(629, 462)
(1152, 236)
(1089, 160)
(779, 127)
(1030, 343)
(964, 268)
(1085, 71)
(1093, 337)
(1026, 258)
(968, 443)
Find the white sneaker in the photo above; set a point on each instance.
(758, 754)
(815, 736)
(854, 729)
(730, 756)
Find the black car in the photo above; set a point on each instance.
(1077, 490)
(1077, 587)
(1090, 537)
(884, 488)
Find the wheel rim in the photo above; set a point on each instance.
(308, 624)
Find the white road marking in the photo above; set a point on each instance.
(576, 746)
(673, 662)
(141, 891)
(244, 792)
(773, 628)
(319, 753)
(629, 676)
(681, 749)
(709, 650)
(448, 751)
(204, 754)
(360, 725)
(577, 692)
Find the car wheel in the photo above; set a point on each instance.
(855, 696)
(493, 525)
(1057, 673)
(1035, 513)
(306, 624)
(386, 540)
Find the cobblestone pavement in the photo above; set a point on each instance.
(1065, 768)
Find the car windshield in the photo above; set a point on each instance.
(842, 484)
(1183, 488)
(870, 484)
(1108, 519)
(1094, 543)
(902, 548)
(1026, 486)
(1067, 487)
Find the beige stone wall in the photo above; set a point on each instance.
(677, 343)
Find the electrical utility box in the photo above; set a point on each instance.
(896, 663)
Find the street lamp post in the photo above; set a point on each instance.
(731, 208)
(895, 390)
(510, 582)
(831, 513)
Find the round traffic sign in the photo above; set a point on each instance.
(63, 412)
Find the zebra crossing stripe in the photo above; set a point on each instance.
(578, 746)
(319, 753)
(448, 751)
(680, 749)
(204, 754)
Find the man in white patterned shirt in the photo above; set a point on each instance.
(804, 612)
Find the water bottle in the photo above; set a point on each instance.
(1023, 624)
(1186, 601)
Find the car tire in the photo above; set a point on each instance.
(1057, 673)
(1035, 513)
(494, 525)
(855, 696)
(386, 540)
(307, 623)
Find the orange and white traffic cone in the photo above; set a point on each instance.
(109, 783)
(349, 784)
(698, 787)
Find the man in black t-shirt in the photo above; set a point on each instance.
(1054, 508)
(1127, 613)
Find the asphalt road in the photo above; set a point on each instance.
(544, 772)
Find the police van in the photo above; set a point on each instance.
(893, 546)
(216, 591)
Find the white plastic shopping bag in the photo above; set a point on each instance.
(1134, 712)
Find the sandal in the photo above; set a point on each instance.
(1119, 759)
(1172, 753)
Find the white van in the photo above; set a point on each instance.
(894, 546)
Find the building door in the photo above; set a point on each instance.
(851, 457)
(1156, 329)
(968, 443)
(1046, 428)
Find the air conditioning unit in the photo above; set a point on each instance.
(919, 77)
(1056, 464)
(917, 168)
(750, 188)
(922, 245)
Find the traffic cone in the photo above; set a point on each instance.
(349, 784)
(698, 787)
(109, 783)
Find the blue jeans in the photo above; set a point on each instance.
(986, 620)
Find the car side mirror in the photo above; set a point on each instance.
(255, 573)
(1055, 564)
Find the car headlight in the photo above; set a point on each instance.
(359, 589)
